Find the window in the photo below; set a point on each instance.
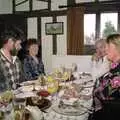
(108, 25)
(89, 29)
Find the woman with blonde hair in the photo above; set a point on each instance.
(106, 94)
(100, 64)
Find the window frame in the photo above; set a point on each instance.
(97, 28)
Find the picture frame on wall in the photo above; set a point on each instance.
(54, 28)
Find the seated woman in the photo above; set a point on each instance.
(107, 87)
(33, 66)
(100, 63)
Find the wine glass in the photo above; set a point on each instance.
(74, 67)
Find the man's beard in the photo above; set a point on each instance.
(14, 52)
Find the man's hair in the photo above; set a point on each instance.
(6, 35)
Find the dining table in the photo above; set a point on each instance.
(53, 111)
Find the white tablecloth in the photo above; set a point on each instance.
(52, 115)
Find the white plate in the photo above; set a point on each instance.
(29, 88)
(70, 111)
(25, 95)
(88, 85)
(29, 82)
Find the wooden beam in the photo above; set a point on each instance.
(97, 33)
(13, 8)
(49, 5)
(91, 4)
(43, 0)
(30, 5)
(119, 21)
(21, 3)
(54, 39)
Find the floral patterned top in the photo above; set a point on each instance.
(107, 87)
(32, 69)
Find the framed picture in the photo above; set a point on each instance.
(54, 28)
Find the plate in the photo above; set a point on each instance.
(29, 88)
(88, 85)
(69, 110)
(26, 83)
(25, 95)
(41, 104)
(46, 104)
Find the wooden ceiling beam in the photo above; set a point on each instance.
(43, 0)
(91, 4)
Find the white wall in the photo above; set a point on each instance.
(5, 6)
(62, 39)
(38, 5)
(83, 62)
(47, 40)
(22, 7)
(32, 27)
(47, 45)
(55, 4)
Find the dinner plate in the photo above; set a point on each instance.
(88, 85)
(29, 88)
(41, 104)
(26, 83)
(69, 110)
(25, 95)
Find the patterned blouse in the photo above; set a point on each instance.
(107, 87)
(32, 69)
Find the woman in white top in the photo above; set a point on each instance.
(100, 63)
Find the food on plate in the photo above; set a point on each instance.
(6, 97)
(41, 103)
(43, 93)
(70, 93)
(52, 90)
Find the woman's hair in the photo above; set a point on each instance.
(31, 41)
(100, 41)
(115, 39)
